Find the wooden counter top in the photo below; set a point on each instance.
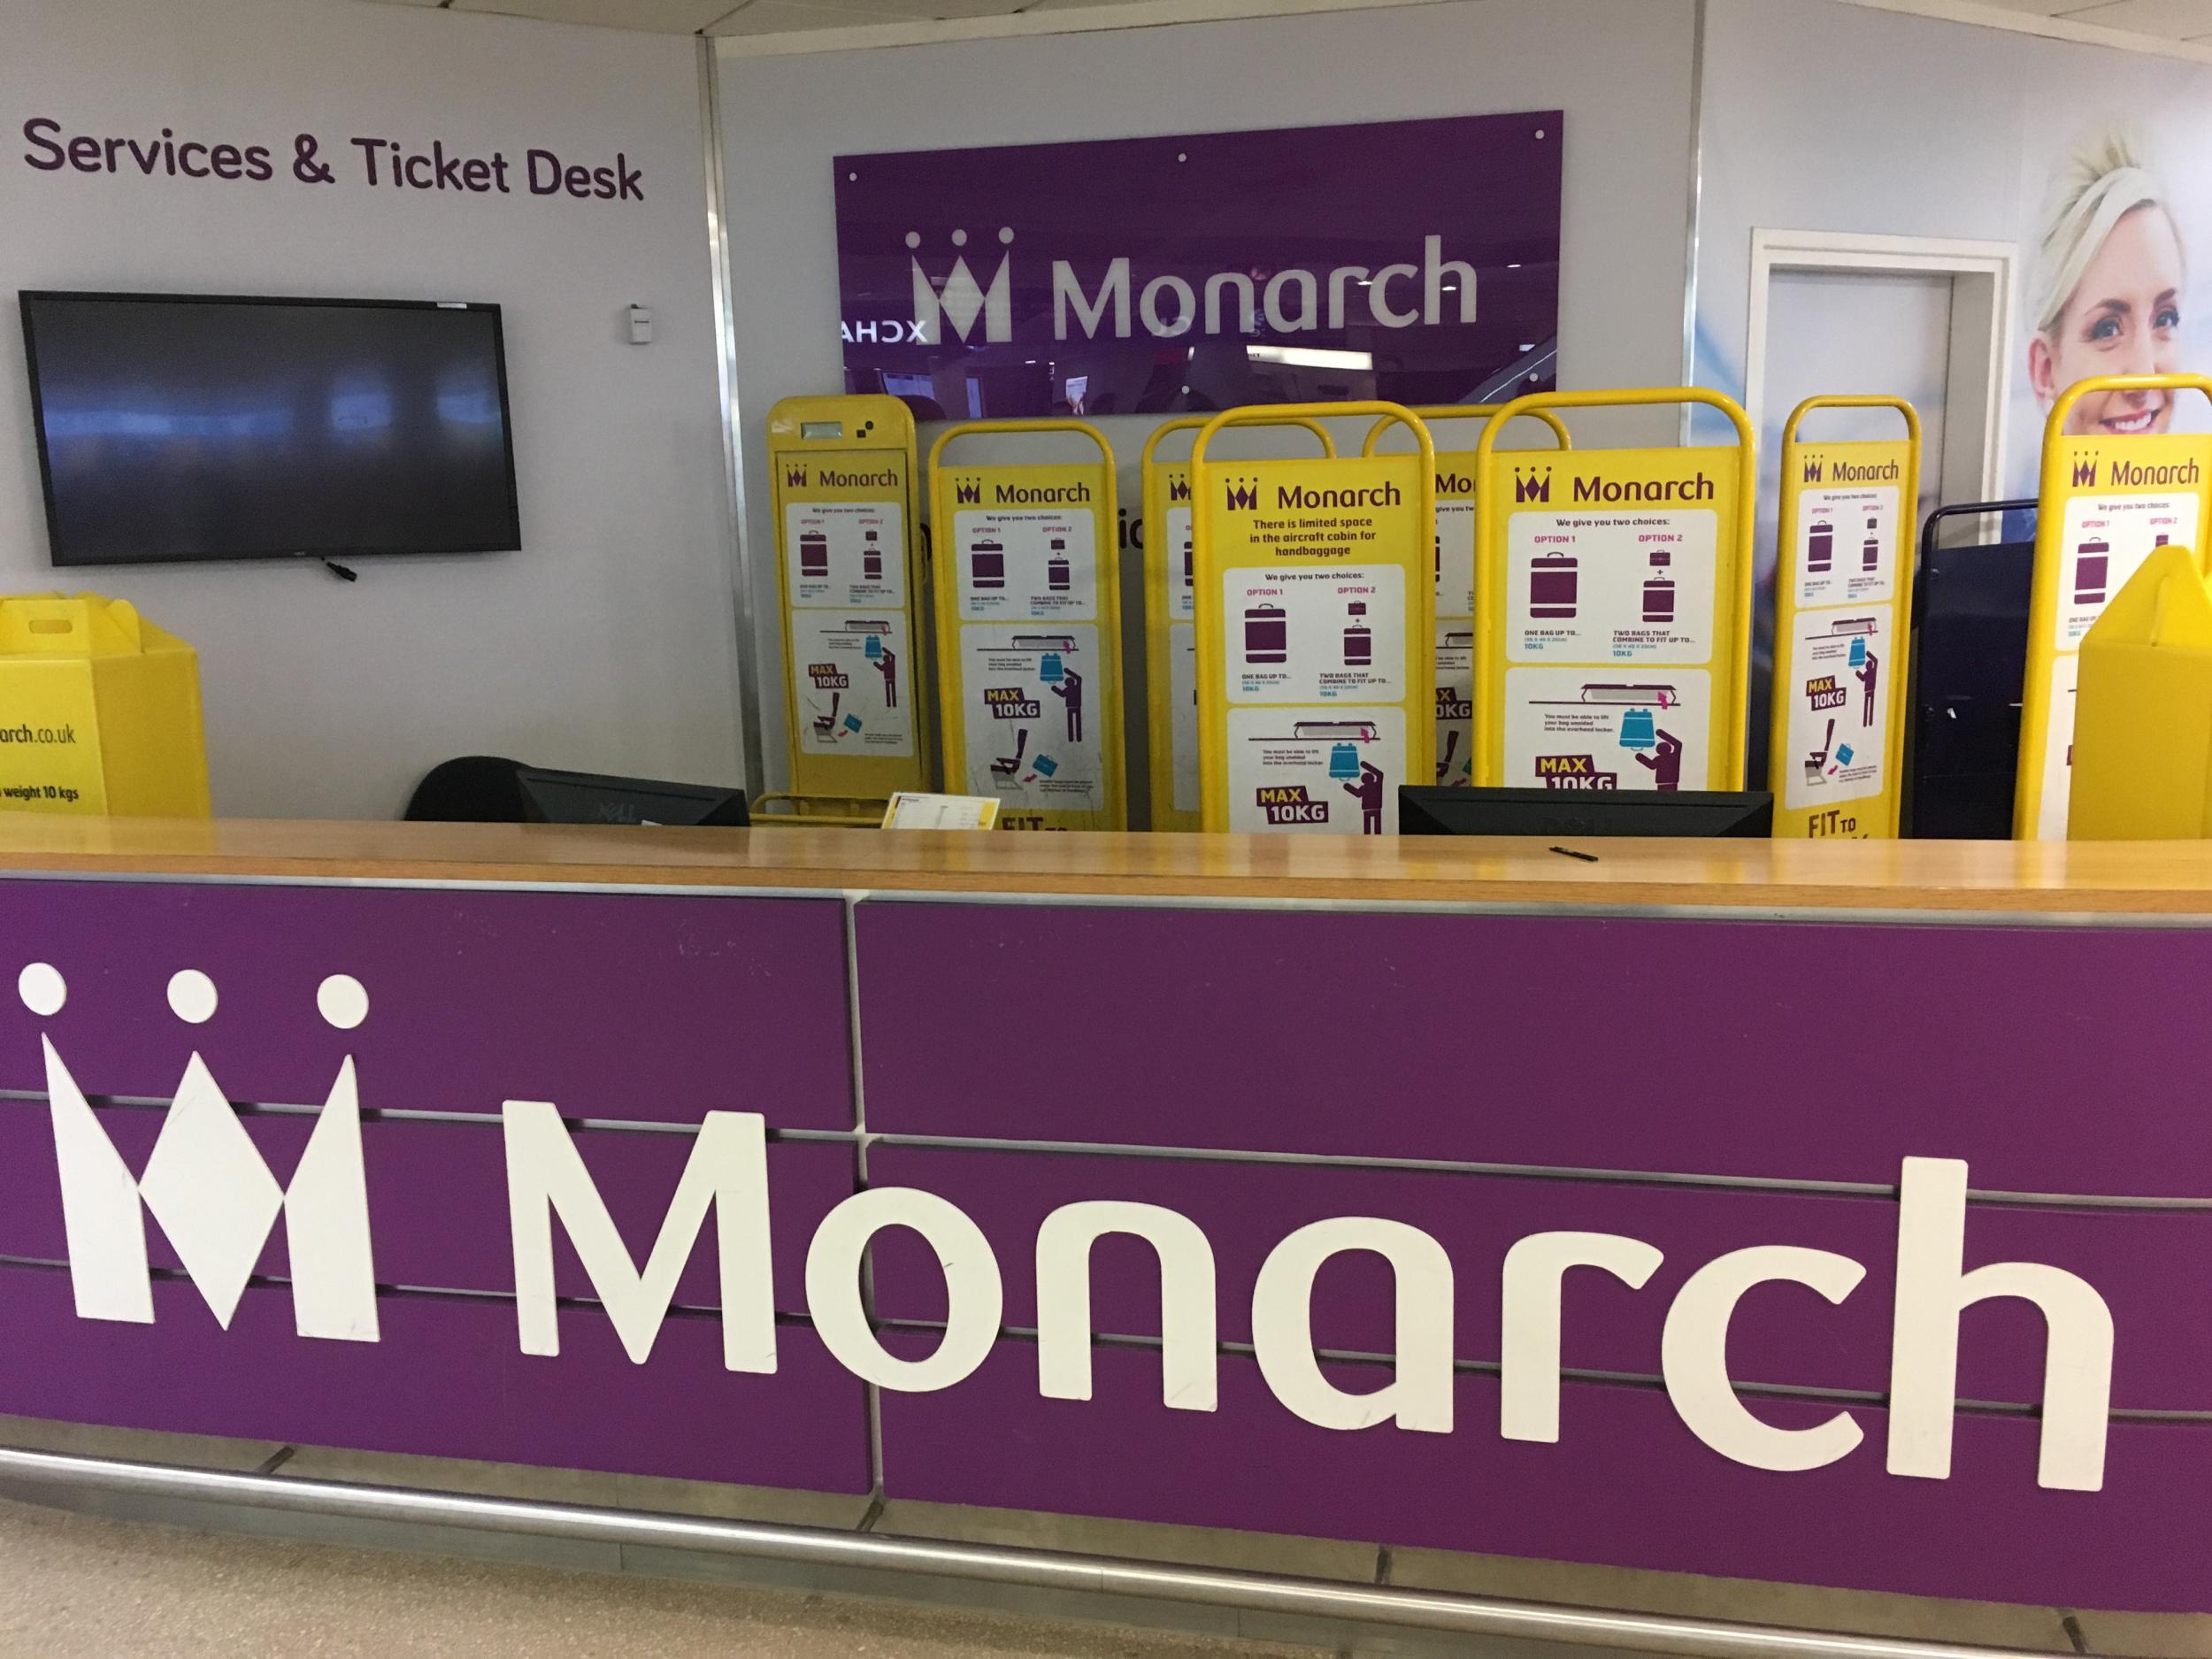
(2121, 877)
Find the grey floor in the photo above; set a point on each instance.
(75, 1586)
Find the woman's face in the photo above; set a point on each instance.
(2124, 317)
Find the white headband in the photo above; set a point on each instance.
(2081, 234)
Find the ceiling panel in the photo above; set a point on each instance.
(659, 17)
(2158, 22)
(2169, 19)
(2037, 8)
(781, 17)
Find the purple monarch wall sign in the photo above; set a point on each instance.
(1411, 260)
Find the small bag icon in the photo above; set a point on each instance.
(1266, 634)
(1344, 761)
(1858, 653)
(1554, 582)
(1638, 730)
(986, 564)
(871, 648)
(1050, 669)
(1045, 765)
(2092, 562)
(1659, 600)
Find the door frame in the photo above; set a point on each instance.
(1980, 375)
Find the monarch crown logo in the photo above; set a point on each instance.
(1530, 485)
(1243, 493)
(209, 1186)
(967, 491)
(2084, 474)
(1179, 490)
(1813, 471)
(795, 477)
(958, 299)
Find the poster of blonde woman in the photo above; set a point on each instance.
(2108, 287)
(2109, 280)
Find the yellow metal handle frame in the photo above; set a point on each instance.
(952, 725)
(2050, 529)
(1431, 413)
(2055, 432)
(1209, 641)
(992, 428)
(1194, 423)
(1486, 551)
(1778, 755)
(786, 423)
(1797, 415)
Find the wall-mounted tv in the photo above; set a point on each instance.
(184, 426)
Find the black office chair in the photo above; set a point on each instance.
(471, 789)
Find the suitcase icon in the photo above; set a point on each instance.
(986, 563)
(1659, 600)
(1359, 639)
(2092, 561)
(1820, 550)
(1344, 761)
(1639, 729)
(1266, 634)
(1057, 568)
(1554, 582)
(813, 553)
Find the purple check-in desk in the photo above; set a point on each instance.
(1711, 1048)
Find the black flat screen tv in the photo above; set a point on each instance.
(184, 426)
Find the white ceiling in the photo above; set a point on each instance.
(755, 17)
(2162, 20)
(2151, 25)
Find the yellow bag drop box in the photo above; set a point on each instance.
(2142, 760)
(99, 711)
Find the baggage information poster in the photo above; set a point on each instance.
(1610, 616)
(1028, 632)
(1171, 642)
(843, 499)
(1843, 588)
(1316, 622)
(1454, 552)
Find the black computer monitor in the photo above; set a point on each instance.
(1426, 810)
(583, 797)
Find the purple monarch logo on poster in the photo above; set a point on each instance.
(1417, 261)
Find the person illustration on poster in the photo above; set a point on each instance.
(887, 665)
(2109, 274)
(1070, 691)
(1368, 791)
(1867, 676)
(1666, 766)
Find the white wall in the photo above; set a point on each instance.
(608, 642)
(1622, 71)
